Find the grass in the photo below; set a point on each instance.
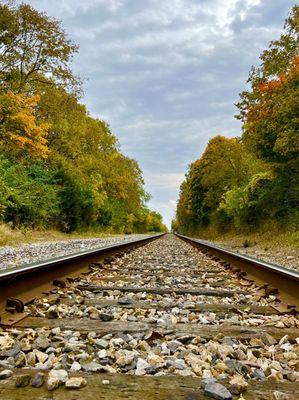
(268, 237)
(266, 240)
(12, 237)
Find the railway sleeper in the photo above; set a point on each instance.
(204, 331)
(124, 387)
(194, 338)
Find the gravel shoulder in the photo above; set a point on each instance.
(271, 245)
(285, 256)
(11, 256)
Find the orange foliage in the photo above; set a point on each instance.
(19, 127)
(266, 89)
(270, 86)
(273, 85)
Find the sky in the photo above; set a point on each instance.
(165, 74)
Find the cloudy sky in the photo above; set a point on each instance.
(165, 73)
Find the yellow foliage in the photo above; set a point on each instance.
(19, 129)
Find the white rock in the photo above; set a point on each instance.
(75, 383)
(82, 356)
(102, 353)
(75, 366)
(6, 373)
(102, 343)
(217, 391)
(185, 372)
(207, 374)
(117, 341)
(52, 383)
(165, 349)
(124, 357)
(6, 342)
(60, 374)
(195, 362)
(44, 366)
(92, 366)
(141, 367)
(42, 357)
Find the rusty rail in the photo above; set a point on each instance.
(284, 279)
(20, 285)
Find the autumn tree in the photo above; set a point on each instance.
(224, 164)
(20, 132)
(269, 112)
(191, 210)
(154, 222)
(243, 182)
(59, 166)
(33, 47)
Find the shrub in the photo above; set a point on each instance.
(28, 195)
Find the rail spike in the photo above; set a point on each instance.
(14, 304)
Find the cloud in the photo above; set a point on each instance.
(165, 74)
(163, 180)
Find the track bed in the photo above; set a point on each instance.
(163, 321)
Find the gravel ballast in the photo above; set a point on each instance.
(287, 257)
(159, 333)
(28, 253)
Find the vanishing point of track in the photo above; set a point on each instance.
(152, 319)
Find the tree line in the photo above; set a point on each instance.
(59, 167)
(241, 183)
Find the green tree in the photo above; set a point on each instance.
(224, 165)
(32, 47)
(28, 194)
(270, 112)
(243, 182)
(70, 170)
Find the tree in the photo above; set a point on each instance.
(33, 47)
(191, 210)
(269, 112)
(276, 60)
(28, 194)
(242, 182)
(154, 222)
(68, 165)
(20, 133)
(224, 164)
(271, 126)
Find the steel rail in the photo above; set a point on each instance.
(9, 273)
(25, 282)
(282, 278)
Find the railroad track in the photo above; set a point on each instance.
(160, 321)
(284, 279)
